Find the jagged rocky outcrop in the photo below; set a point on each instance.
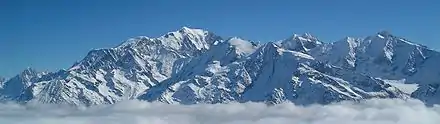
(12, 88)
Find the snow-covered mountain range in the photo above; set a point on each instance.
(191, 66)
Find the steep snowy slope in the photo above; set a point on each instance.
(203, 76)
(294, 76)
(106, 76)
(271, 75)
(384, 56)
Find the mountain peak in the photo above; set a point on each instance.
(185, 28)
(309, 36)
(384, 34)
(349, 40)
(177, 35)
(304, 37)
(301, 43)
(188, 30)
(29, 71)
(242, 45)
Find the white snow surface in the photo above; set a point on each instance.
(242, 45)
(401, 85)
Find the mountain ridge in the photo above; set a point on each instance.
(190, 66)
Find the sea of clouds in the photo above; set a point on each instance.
(375, 111)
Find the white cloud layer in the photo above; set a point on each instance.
(388, 111)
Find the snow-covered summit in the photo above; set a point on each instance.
(242, 46)
(195, 31)
(301, 43)
(178, 40)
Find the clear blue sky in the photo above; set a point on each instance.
(52, 34)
